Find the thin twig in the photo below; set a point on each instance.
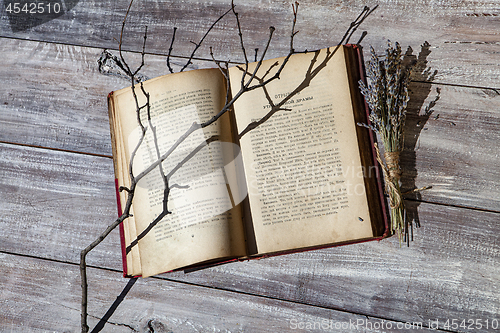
(170, 51)
(197, 45)
(240, 34)
(246, 86)
(131, 190)
(126, 67)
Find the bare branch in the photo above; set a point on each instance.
(259, 63)
(189, 62)
(143, 52)
(126, 67)
(195, 126)
(170, 51)
(309, 75)
(167, 189)
(295, 10)
(83, 264)
(249, 82)
(247, 87)
(240, 34)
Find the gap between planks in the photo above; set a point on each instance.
(496, 90)
(455, 206)
(55, 149)
(236, 292)
(114, 49)
(110, 157)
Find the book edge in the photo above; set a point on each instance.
(203, 265)
(380, 180)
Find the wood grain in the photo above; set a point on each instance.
(54, 204)
(38, 304)
(70, 198)
(449, 271)
(58, 100)
(462, 54)
(44, 189)
(57, 191)
(54, 95)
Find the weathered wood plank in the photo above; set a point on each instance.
(450, 271)
(70, 198)
(40, 295)
(437, 277)
(54, 204)
(57, 99)
(54, 95)
(454, 146)
(463, 34)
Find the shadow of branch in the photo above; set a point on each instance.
(114, 306)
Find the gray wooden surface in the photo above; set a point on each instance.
(57, 189)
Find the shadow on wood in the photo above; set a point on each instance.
(114, 306)
(419, 89)
(23, 15)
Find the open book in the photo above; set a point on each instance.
(255, 182)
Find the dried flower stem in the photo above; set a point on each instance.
(387, 96)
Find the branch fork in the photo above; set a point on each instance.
(249, 81)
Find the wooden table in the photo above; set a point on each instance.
(57, 190)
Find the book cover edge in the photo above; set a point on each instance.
(361, 69)
(117, 187)
(380, 181)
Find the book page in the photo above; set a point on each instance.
(205, 220)
(302, 165)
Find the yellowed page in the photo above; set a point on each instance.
(203, 224)
(302, 166)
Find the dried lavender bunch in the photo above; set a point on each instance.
(386, 93)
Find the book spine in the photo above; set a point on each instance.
(380, 182)
(120, 227)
